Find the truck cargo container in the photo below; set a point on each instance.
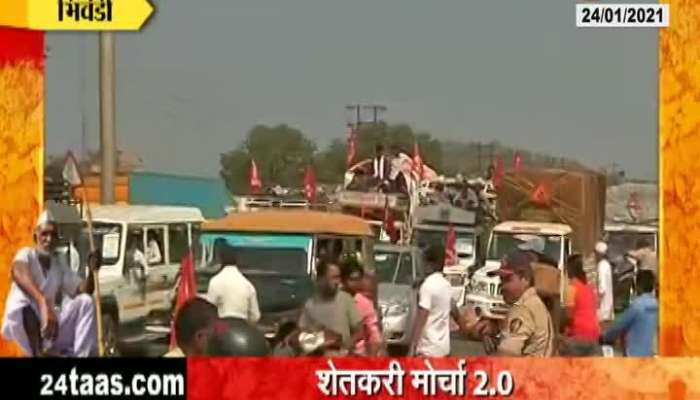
(574, 198)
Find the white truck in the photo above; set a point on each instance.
(484, 292)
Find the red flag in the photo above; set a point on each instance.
(310, 184)
(352, 146)
(186, 290)
(417, 162)
(255, 182)
(517, 162)
(451, 247)
(389, 223)
(498, 172)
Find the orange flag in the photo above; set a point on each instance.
(186, 290)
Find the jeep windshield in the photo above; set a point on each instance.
(263, 260)
(108, 239)
(394, 267)
(260, 261)
(504, 242)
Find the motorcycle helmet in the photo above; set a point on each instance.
(235, 337)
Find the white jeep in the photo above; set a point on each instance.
(484, 292)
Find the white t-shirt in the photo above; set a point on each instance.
(234, 295)
(153, 253)
(605, 291)
(434, 296)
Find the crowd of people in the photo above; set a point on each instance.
(50, 310)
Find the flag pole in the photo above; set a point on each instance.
(95, 278)
(95, 273)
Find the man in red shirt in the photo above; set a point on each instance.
(582, 326)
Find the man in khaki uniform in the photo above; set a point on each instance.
(527, 329)
(547, 278)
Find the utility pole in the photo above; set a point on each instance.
(376, 109)
(355, 109)
(81, 96)
(107, 118)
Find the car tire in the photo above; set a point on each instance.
(110, 336)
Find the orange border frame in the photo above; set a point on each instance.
(679, 150)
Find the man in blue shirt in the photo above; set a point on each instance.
(640, 322)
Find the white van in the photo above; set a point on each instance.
(484, 292)
(134, 287)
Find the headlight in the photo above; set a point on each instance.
(396, 310)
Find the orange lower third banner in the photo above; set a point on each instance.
(443, 378)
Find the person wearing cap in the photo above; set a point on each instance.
(605, 285)
(528, 328)
(547, 277)
(49, 309)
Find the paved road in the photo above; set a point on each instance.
(461, 347)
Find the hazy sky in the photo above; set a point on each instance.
(201, 74)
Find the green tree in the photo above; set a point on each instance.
(331, 163)
(280, 152)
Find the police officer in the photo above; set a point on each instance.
(547, 278)
(528, 329)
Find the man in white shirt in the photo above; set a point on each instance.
(380, 167)
(431, 332)
(605, 284)
(49, 309)
(153, 253)
(231, 292)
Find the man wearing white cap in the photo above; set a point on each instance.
(605, 284)
(49, 310)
